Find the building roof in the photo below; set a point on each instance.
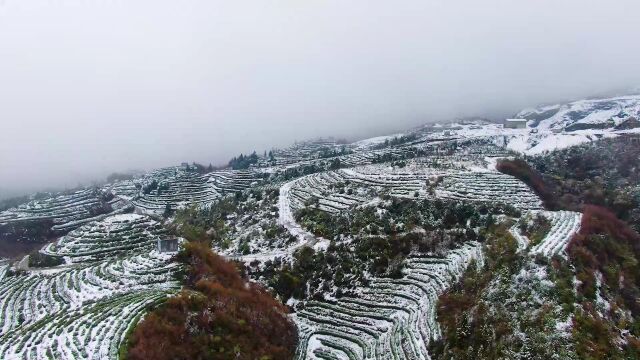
(516, 120)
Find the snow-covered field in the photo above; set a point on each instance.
(488, 186)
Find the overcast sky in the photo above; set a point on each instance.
(88, 87)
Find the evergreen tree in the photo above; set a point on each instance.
(168, 211)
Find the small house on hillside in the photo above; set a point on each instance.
(515, 124)
(168, 245)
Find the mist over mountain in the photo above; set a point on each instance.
(90, 88)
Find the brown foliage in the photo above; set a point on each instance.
(519, 169)
(204, 264)
(600, 220)
(607, 245)
(222, 316)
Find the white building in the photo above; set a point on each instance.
(515, 124)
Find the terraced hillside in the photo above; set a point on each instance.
(177, 187)
(487, 187)
(360, 240)
(564, 224)
(383, 316)
(389, 319)
(60, 209)
(24, 227)
(111, 237)
(83, 310)
(339, 190)
(158, 193)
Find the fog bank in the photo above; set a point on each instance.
(92, 87)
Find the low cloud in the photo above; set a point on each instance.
(88, 88)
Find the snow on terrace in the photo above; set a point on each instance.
(396, 318)
(487, 187)
(173, 187)
(83, 311)
(369, 143)
(343, 189)
(303, 152)
(114, 235)
(564, 224)
(177, 187)
(287, 219)
(361, 183)
(232, 180)
(359, 153)
(367, 181)
(59, 208)
(390, 318)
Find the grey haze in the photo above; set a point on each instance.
(92, 87)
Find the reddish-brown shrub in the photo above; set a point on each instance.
(608, 245)
(221, 316)
(519, 169)
(600, 220)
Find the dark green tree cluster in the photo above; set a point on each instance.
(243, 162)
(397, 140)
(326, 152)
(365, 242)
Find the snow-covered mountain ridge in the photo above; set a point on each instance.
(604, 113)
